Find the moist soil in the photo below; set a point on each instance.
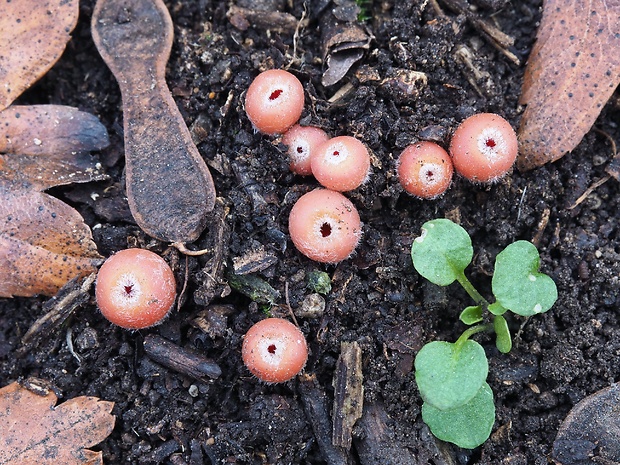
(163, 415)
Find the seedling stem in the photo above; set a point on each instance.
(470, 332)
(471, 290)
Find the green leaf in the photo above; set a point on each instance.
(442, 252)
(517, 284)
(503, 341)
(448, 378)
(467, 426)
(471, 315)
(496, 309)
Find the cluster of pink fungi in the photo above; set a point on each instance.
(483, 148)
(323, 224)
(136, 288)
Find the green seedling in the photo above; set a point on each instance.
(458, 403)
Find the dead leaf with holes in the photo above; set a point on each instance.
(33, 35)
(37, 431)
(572, 71)
(44, 242)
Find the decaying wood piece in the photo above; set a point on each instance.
(404, 86)
(613, 168)
(169, 187)
(500, 40)
(315, 402)
(56, 311)
(211, 276)
(213, 320)
(276, 21)
(254, 260)
(479, 79)
(179, 359)
(348, 393)
(376, 442)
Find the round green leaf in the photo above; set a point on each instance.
(442, 252)
(503, 341)
(467, 426)
(448, 378)
(471, 315)
(517, 284)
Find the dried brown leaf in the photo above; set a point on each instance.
(44, 242)
(572, 71)
(36, 431)
(49, 130)
(33, 35)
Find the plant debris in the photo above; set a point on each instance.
(348, 386)
(35, 430)
(169, 187)
(590, 433)
(572, 71)
(33, 35)
(43, 241)
(343, 39)
(50, 129)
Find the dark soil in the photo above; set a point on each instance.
(377, 299)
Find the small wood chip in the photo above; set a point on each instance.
(314, 400)
(348, 393)
(56, 311)
(181, 360)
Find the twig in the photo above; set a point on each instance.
(288, 304)
(589, 190)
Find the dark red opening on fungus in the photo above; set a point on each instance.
(275, 94)
(326, 229)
